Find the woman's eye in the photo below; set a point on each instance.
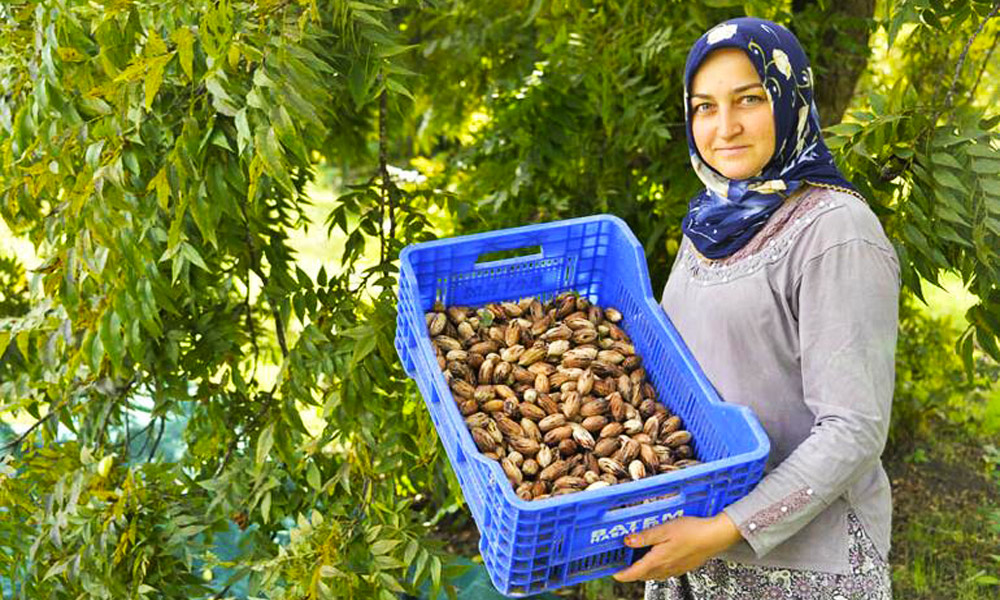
(751, 99)
(703, 107)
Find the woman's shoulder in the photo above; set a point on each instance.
(838, 216)
(813, 221)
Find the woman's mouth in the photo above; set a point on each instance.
(731, 150)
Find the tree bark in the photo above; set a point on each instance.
(840, 51)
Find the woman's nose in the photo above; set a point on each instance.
(729, 123)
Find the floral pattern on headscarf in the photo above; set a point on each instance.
(725, 216)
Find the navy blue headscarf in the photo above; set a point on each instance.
(726, 215)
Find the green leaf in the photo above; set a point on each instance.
(265, 508)
(844, 129)
(23, 341)
(983, 151)
(391, 583)
(418, 570)
(384, 546)
(327, 571)
(990, 186)
(220, 98)
(191, 254)
(96, 354)
(362, 348)
(111, 335)
(946, 178)
(313, 476)
(56, 569)
(988, 167)
(411, 551)
(264, 443)
(242, 130)
(964, 348)
(388, 51)
(388, 562)
(185, 50)
(397, 87)
(268, 148)
(162, 186)
(435, 572)
(154, 78)
(364, 6)
(946, 160)
(949, 234)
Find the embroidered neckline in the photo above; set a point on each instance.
(770, 245)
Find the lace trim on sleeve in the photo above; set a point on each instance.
(776, 512)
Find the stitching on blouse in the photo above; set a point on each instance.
(711, 273)
(879, 247)
(776, 512)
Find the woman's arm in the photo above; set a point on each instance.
(847, 304)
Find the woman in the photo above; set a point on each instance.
(785, 289)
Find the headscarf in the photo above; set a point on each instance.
(722, 218)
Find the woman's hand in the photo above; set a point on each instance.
(679, 546)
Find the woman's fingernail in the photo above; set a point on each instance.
(629, 540)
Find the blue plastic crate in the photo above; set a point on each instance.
(529, 547)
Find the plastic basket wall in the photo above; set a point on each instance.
(529, 547)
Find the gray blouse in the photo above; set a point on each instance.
(800, 325)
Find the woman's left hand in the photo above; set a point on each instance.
(679, 546)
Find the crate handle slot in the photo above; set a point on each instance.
(502, 256)
(658, 508)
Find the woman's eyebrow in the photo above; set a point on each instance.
(736, 90)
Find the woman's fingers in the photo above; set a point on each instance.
(648, 567)
(648, 537)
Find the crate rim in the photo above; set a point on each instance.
(762, 442)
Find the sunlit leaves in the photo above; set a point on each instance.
(159, 165)
(932, 170)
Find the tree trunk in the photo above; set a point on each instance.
(839, 50)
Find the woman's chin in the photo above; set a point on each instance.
(737, 173)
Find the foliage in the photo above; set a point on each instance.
(13, 287)
(546, 110)
(157, 155)
(569, 108)
(932, 385)
(925, 149)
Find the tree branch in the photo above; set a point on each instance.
(128, 435)
(986, 62)
(145, 431)
(965, 53)
(102, 428)
(383, 169)
(156, 444)
(254, 266)
(250, 326)
(279, 328)
(388, 185)
(253, 422)
(17, 442)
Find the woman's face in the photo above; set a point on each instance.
(731, 117)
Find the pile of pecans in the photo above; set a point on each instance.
(555, 392)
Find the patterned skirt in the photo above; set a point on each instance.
(868, 579)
